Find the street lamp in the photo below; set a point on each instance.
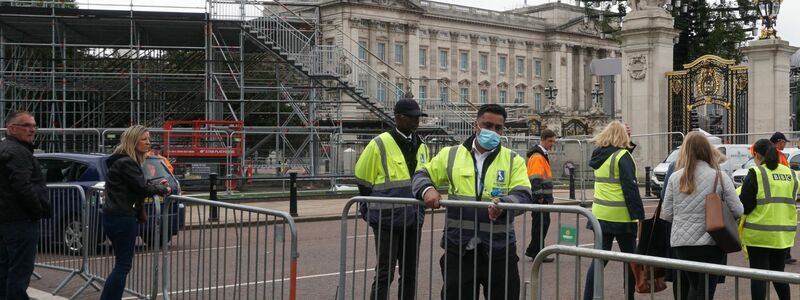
(597, 96)
(768, 10)
(551, 91)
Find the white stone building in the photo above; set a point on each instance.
(456, 52)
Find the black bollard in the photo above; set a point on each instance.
(647, 191)
(571, 182)
(293, 194)
(213, 213)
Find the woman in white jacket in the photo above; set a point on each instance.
(684, 206)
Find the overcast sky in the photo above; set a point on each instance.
(788, 21)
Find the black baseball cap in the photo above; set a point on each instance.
(408, 107)
(778, 136)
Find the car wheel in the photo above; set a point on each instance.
(72, 237)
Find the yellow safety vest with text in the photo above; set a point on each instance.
(772, 224)
(609, 201)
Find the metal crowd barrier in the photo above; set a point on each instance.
(229, 251)
(99, 256)
(188, 248)
(659, 262)
(62, 245)
(360, 247)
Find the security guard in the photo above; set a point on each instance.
(480, 246)
(384, 169)
(617, 202)
(768, 195)
(541, 178)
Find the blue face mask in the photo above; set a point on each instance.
(488, 139)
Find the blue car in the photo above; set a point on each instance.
(66, 228)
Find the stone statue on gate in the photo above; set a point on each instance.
(646, 4)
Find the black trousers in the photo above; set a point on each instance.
(17, 255)
(396, 246)
(767, 259)
(627, 243)
(465, 274)
(541, 223)
(691, 285)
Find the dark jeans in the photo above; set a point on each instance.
(397, 246)
(693, 285)
(541, 223)
(122, 232)
(767, 259)
(627, 243)
(464, 274)
(17, 255)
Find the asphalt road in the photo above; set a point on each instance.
(252, 262)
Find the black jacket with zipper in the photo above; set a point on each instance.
(126, 186)
(23, 190)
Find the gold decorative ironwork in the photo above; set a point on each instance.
(708, 80)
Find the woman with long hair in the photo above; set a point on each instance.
(769, 192)
(126, 189)
(617, 203)
(696, 177)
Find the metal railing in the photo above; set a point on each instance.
(659, 262)
(358, 261)
(228, 250)
(189, 247)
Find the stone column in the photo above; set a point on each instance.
(768, 85)
(647, 42)
(412, 63)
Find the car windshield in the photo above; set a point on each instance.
(672, 157)
(154, 168)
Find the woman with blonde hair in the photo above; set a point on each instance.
(697, 176)
(126, 189)
(617, 203)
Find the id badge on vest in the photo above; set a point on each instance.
(499, 188)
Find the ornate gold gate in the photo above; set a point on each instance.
(710, 94)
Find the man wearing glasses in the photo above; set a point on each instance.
(24, 200)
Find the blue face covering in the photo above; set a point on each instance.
(488, 139)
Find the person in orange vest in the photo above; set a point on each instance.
(541, 178)
(779, 140)
(155, 151)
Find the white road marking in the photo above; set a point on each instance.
(259, 282)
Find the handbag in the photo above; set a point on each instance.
(720, 222)
(653, 241)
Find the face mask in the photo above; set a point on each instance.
(488, 139)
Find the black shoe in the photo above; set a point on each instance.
(529, 254)
(791, 261)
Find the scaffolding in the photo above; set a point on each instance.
(101, 67)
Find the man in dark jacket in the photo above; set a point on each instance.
(24, 200)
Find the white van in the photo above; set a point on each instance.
(737, 155)
(792, 155)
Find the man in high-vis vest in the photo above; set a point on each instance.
(768, 195)
(480, 246)
(384, 169)
(541, 178)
